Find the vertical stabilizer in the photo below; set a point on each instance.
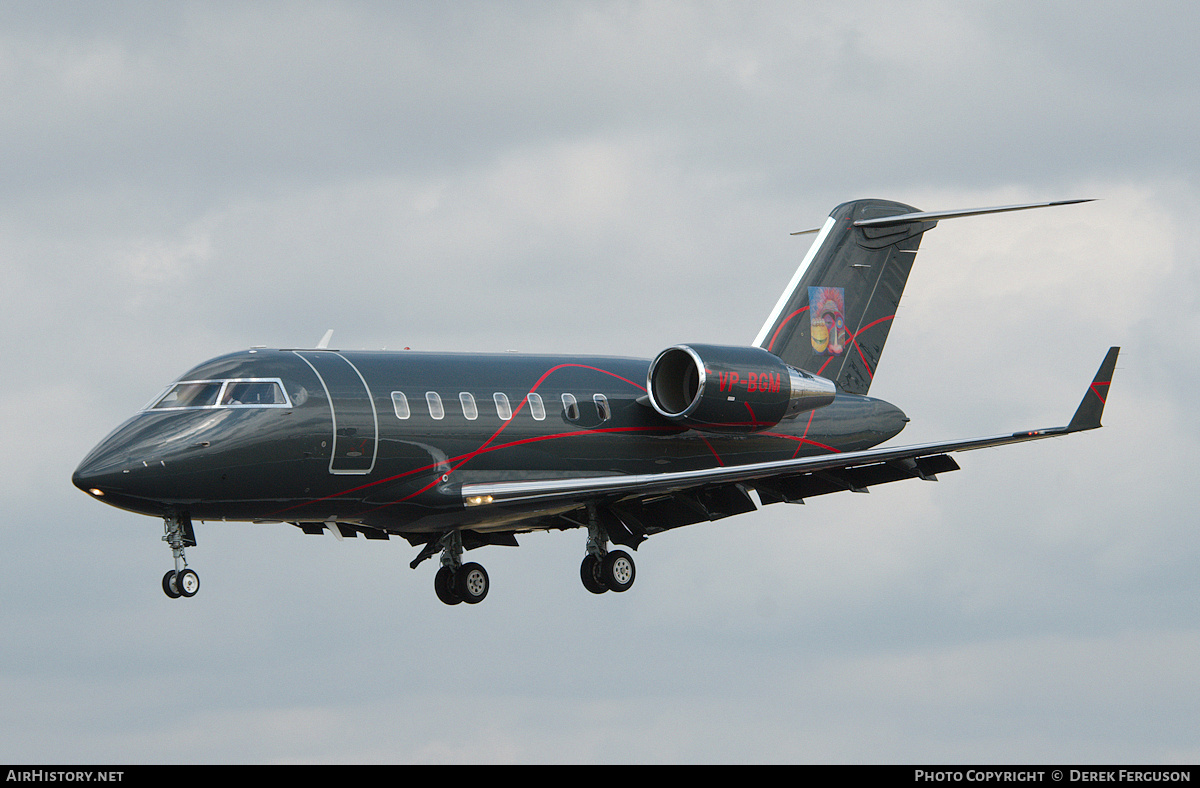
(835, 315)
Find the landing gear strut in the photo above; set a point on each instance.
(602, 570)
(179, 582)
(458, 582)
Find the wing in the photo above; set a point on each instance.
(649, 503)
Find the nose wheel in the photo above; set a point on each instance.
(177, 584)
(180, 581)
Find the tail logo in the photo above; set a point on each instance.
(828, 316)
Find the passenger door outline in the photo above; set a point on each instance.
(348, 454)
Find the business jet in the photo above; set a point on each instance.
(452, 451)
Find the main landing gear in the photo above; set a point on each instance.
(455, 582)
(602, 570)
(614, 572)
(458, 582)
(179, 534)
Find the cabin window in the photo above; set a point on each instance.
(468, 405)
(601, 406)
(502, 407)
(536, 408)
(435, 404)
(400, 405)
(570, 407)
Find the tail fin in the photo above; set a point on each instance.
(835, 315)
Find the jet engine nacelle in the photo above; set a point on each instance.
(731, 389)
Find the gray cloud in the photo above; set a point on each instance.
(186, 179)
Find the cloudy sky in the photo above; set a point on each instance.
(178, 180)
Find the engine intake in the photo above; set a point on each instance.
(731, 389)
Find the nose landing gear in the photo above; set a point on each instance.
(179, 582)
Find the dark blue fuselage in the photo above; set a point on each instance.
(387, 439)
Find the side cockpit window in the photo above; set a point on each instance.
(238, 393)
(256, 393)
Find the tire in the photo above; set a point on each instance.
(618, 571)
(471, 583)
(187, 583)
(443, 585)
(169, 587)
(590, 574)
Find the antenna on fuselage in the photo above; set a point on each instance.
(325, 340)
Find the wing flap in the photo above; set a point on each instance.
(795, 488)
(837, 472)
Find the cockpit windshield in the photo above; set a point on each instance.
(237, 393)
(259, 392)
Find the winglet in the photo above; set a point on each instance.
(1087, 415)
(324, 343)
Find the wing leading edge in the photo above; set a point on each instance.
(785, 480)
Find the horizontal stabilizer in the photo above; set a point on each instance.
(932, 216)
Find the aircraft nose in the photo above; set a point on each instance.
(117, 471)
(101, 470)
(155, 459)
(85, 479)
